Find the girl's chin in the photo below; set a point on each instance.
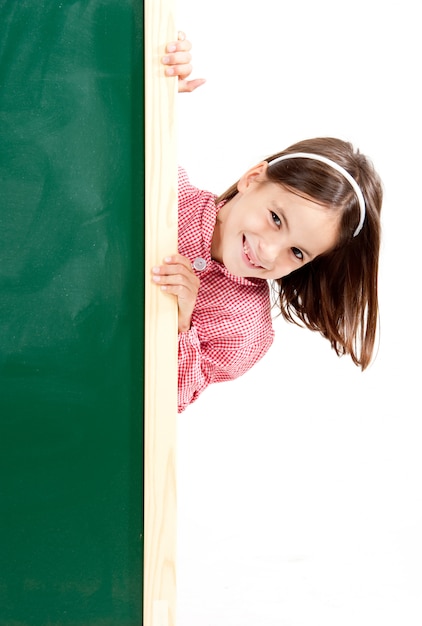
(235, 270)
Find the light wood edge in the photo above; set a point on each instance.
(159, 592)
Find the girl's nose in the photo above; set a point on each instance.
(269, 250)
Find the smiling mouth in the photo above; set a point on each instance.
(247, 252)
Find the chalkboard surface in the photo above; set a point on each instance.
(71, 312)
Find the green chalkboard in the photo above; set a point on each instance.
(71, 312)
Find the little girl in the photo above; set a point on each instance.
(307, 221)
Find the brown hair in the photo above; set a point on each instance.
(337, 292)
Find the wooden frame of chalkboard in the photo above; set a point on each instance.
(161, 324)
(87, 487)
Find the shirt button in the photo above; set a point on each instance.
(199, 264)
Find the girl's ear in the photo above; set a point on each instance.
(256, 174)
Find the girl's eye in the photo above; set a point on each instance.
(298, 253)
(275, 218)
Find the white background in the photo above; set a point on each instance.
(299, 485)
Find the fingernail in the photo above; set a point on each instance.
(156, 279)
(165, 60)
(169, 71)
(155, 270)
(171, 48)
(167, 259)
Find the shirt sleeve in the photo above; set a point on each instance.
(191, 380)
(199, 365)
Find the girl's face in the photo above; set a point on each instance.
(266, 231)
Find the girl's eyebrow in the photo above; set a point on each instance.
(279, 210)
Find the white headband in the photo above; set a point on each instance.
(335, 166)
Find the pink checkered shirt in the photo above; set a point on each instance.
(231, 323)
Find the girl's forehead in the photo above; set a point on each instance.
(284, 193)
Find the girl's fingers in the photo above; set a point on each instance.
(177, 58)
(180, 291)
(190, 282)
(178, 259)
(176, 276)
(178, 62)
(182, 71)
(178, 46)
(190, 85)
(185, 292)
